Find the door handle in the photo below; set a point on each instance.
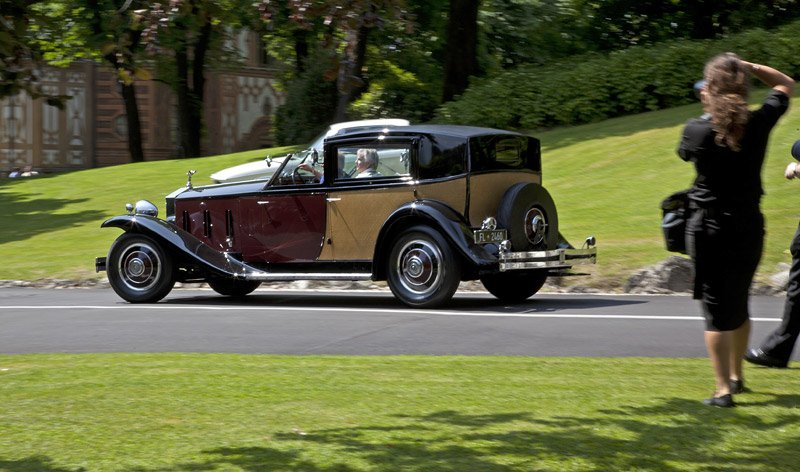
(265, 202)
(333, 199)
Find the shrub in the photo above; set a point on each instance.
(594, 87)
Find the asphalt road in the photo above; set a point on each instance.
(359, 323)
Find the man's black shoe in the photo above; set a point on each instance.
(759, 357)
(725, 401)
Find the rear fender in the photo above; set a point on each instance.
(435, 215)
(182, 244)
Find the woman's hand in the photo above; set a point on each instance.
(791, 171)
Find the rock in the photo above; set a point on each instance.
(675, 274)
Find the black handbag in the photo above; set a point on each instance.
(675, 209)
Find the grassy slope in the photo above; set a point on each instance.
(198, 412)
(607, 179)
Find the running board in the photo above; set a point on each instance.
(288, 276)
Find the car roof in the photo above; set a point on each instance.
(457, 131)
(334, 128)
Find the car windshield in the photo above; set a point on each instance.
(295, 168)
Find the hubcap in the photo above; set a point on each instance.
(139, 266)
(419, 266)
(535, 226)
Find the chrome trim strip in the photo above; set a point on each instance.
(286, 276)
(555, 259)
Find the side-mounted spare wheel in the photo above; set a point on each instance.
(528, 213)
(423, 270)
(233, 287)
(139, 269)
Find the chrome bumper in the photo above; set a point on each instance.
(555, 259)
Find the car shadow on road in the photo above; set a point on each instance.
(472, 302)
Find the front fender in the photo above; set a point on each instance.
(186, 245)
(437, 215)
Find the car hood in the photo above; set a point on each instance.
(249, 171)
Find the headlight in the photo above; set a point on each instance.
(144, 207)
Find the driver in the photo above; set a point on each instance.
(319, 175)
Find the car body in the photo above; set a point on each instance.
(445, 204)
(263, 169)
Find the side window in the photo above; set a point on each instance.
(385, 161)
(442, 156)
(508, 153)
(505, 153)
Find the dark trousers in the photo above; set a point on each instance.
(781, 342)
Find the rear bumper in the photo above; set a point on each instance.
(555, 259)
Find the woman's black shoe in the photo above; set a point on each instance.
(725, 401)
(759, 357)
(737, 386)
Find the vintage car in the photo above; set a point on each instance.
(264, 168)
(441, 204)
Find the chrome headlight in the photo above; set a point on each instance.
(144, 207)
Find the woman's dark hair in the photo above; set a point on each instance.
(727, 81)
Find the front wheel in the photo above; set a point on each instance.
(139, 270)
(423, 270)
(233, 287)
(512, 287)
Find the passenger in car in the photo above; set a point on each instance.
(367, 163)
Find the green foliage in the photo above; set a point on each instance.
(593, 87)
(396, 93)
(310, 103)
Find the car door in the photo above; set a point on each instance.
(286, 222)
(359, 206)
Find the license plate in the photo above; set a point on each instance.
(486, 236)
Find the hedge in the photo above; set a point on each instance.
(594, 87)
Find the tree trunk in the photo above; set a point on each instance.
(134, 123)
(350, 82)
(135, 147)
(300, 50)
(190, 97)
(461, 48)
(184, 99)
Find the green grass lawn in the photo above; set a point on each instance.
(204, 412)
(607, 180)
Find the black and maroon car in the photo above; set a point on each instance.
(422, 207)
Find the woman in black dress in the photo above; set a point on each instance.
(725, 234)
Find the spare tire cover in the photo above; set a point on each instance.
(528, 213)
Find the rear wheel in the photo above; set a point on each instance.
(423, 270)
(139, 270)
(233, 287)
(514, 286)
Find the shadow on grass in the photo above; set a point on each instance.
(671, 434)
(34, 463)
(24, 218)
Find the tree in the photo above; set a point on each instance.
(20, 54)
(341, 27)
(117, 32)
(461, 57)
